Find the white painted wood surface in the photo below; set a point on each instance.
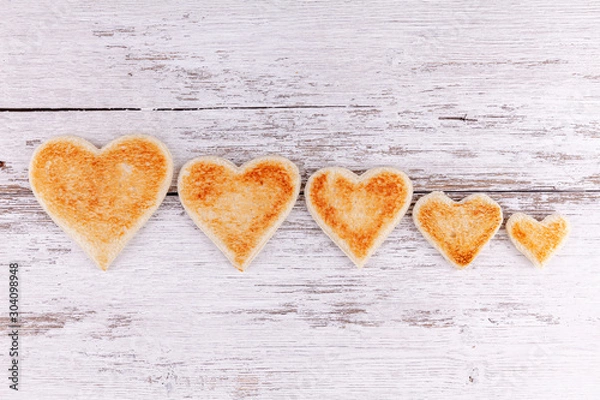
(323, 83)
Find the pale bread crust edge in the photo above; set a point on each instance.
(442, 196)
(358, 178)
(76, 140)
(270, 232)
(524, 250)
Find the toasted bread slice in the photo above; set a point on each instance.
(538, 241)
(458, 230)
(239, 209)
(101, 198)
(358, 213)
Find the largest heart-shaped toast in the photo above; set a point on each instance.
(358, 213)
(239, 209)
(458, 230)
(101, 198)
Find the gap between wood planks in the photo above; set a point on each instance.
(468, 191)
(464, 117)
(66, 109)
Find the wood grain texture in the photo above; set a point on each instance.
(464, 96)
(461, 56)
(173, 319)
(436, 154)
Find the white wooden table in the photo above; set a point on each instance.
(465, 96)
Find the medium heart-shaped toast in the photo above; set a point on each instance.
(458, 230)
(358, 213)
(239, 209)
(538, 241)
(101, 197)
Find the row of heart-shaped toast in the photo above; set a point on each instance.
(102, 198)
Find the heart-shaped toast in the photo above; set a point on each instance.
(239, 209)
(101, 197)
(458, 230)
(538, 241)
(358, 213)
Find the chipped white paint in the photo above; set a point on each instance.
(502, 59)
(172, 318)
(436, 154)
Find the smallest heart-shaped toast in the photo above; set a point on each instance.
(239, 209)
(358, 213)
(458, 230)
(538, 241)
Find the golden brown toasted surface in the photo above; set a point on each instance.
(236, 207)
(99, 196)
(357, 212)
(460, 229)
(541, 240)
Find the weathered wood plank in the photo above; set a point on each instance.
(172, 318)
(461, 56)
(488, 154)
